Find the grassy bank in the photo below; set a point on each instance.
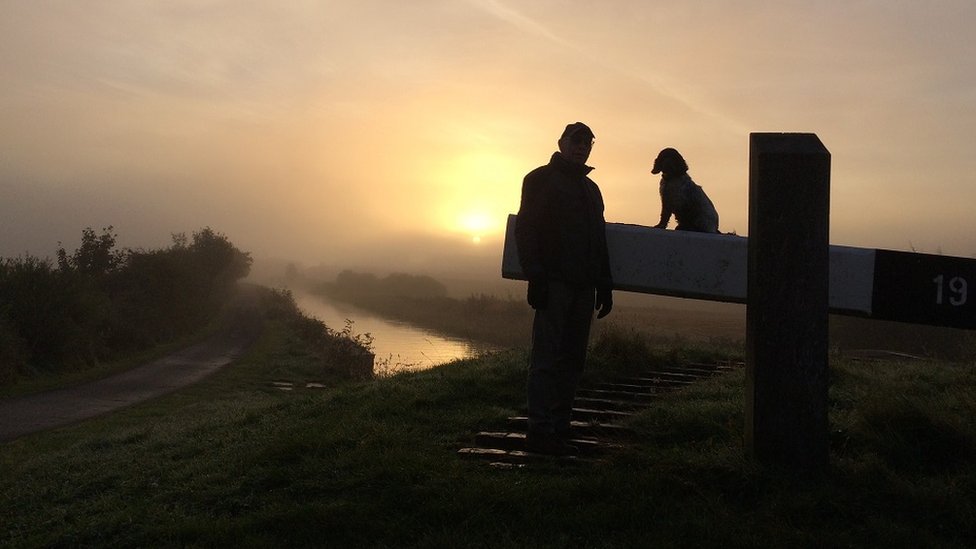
(234, 461)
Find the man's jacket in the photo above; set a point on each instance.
(560, 231)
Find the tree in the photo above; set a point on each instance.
(218, 259)
(96, 256)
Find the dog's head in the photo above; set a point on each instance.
(670, 162)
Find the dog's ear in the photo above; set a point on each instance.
(657, 165)
(679, 163)
(673, 163)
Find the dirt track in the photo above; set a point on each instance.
(32, 413)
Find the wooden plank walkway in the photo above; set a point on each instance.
(599, 410)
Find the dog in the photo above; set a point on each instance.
(682, 197)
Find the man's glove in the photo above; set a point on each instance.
(604, 302)
(538, 295)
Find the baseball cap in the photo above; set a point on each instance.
(575, 128)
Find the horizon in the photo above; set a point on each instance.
(389, 135)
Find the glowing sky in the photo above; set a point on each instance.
(397, 130)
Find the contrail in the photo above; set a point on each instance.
(516, 19)
(530, 26)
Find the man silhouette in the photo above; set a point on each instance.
(562, 246)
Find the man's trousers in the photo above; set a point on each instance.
(560, 333)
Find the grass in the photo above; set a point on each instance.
(233, 461)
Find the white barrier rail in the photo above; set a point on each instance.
(884, 284)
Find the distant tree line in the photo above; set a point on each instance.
(423, 301)
(99, 303)
(351, 285)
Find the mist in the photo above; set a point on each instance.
(390, 137)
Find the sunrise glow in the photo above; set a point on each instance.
(339, 127)
(477, 191)
(477, 224)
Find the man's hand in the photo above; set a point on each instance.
(604, 302)
(538, 295)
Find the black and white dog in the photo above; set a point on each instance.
(682, 197)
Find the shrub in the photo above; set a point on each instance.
(101, 302)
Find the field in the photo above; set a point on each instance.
(235, 461)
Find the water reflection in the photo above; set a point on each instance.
(398, 346)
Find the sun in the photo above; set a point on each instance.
(479, 189)
(477, 224)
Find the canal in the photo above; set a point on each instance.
(398, 346)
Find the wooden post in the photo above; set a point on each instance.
(786, 311)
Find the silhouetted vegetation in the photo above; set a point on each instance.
(338, 352)
(851, 333)
(507, 321)
(420, 301)
(100, 302)
(352, 285)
